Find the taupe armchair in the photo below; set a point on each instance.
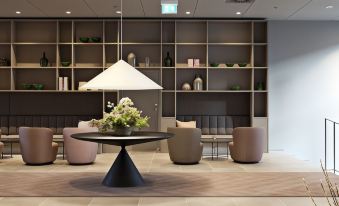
(1, 146)
(185, 147)
(247, 145)
(77, 151)
(37, 146)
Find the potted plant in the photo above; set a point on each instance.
(122, 120)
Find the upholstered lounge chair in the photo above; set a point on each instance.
(77, 151)
(247, 145)
(1, 146)
(185, 147)
(37, 146)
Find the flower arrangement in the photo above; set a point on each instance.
(122, 119)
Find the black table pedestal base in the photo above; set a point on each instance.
(123, 172)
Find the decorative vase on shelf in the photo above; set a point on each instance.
(198, 83)
(43, 60)
(260, 86)
(131, 59)
(168, 60)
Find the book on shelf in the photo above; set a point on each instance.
(65, 84)
(61, 83)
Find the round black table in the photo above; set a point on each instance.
(123, 172)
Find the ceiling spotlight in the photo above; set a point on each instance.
(238, 13)
(68, 12)
(18, 12)
(329, 7)
(188, 12)
(118, 12)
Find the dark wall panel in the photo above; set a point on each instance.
(4, 103)
(56, 103)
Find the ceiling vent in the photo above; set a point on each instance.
(239, 1)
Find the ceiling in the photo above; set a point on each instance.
(270, 9)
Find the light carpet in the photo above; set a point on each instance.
(242, 184)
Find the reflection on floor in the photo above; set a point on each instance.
(159, 162)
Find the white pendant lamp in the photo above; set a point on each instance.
(121, 76)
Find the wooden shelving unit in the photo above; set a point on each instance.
(210, 41)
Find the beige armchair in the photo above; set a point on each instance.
(247, 145)
(185, 147)
(37, 146)
(77, 151)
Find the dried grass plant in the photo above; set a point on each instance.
(331, 193)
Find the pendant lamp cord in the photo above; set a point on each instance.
(121, 30)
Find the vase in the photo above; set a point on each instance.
(131, 59)
(198, 83)
(168, 60)
(44, 60)
(123, 131)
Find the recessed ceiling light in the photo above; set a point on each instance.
(68, 12)
(18, 12)
(188, 12)
(118, 12)
(329, 7)
(238, 13)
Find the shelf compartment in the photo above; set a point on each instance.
(65, 31)
(171, 50)
(88, 29)
(153, 74)
(88, 56)
(111, 55)
(168, 79)
(168, 32)
(5, 52)
(66, 72)
(233, 104)
(188, 76)
(5, 79)
(26, 31)
(260, 32)
(45, 76)
(260, 56)
(221, 79)
(65, 54)
(229, 32)
(260, 104)
(5, 32)
(168, 104)
(185, 52)
(84, 75)
(139, 31)
(191, 32)
(30, 55)
(229, 54)
(111, 32)
(143, 51)
(260, 76)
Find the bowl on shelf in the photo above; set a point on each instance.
(95, 39)
(235, 87)
(214, 64)
(84, 39)
(38, 86)
(27, 86)
(65, 64)
(242, 64)
(229, 65)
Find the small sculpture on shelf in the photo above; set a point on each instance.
(198, 83)
(43, 60)
(186, 86)
(168, 61)
(235, 87)
(4, 62)
(131, 59)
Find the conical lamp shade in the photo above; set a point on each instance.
(121, 76)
